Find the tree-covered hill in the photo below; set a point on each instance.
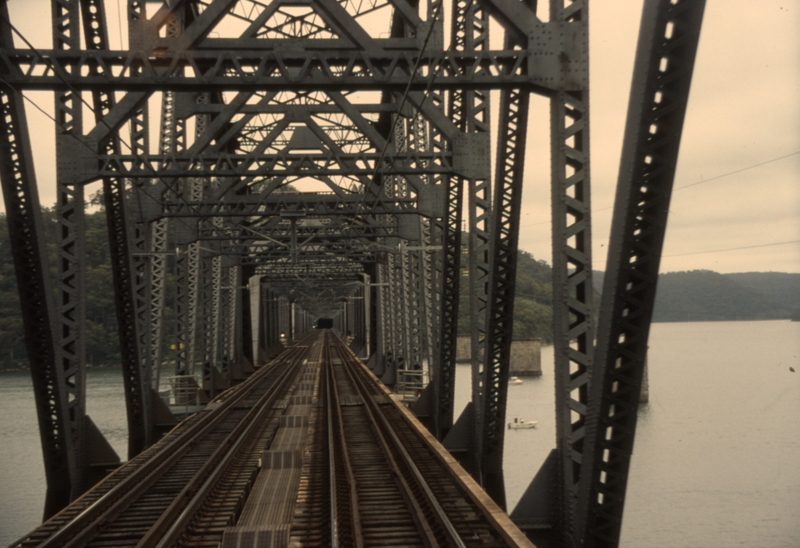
(102, 341)
(704, 295)
(781, 287)
(738, 296)
(533, 304)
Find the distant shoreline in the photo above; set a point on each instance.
(728, 320)
(21, 369)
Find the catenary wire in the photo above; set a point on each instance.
(403, 100)
(731, 249)
(608, 208)
(102, 121)
(94, 152)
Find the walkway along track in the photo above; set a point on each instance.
(142, 503)
(310, 451)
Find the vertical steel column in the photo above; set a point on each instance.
(246, 314)
(244, 327)
(206, 308)
(130, 290)
(367, 315)
(216, 309)
(261, 321)
(399, 189)
(380, 320)
(427, 282)
(70, 151)
(171, 138)
(386, 320)
(255, 320)
(417, 140)
(573, 329)
(156, 278)
(234, 290)
(195, 255)
(432, 229)
(148, 258)
(224, 315)
(476, 109)
(292, 321)
(398, 314)
(666, 51)
(404, 303)
(270, 318)
(181, 296)
(448, 278)
(511, 139)
(27, 238)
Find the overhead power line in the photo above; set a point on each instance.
(731, 249)
(795, 153)
(99, 116)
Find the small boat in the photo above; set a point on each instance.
(515, 380)
(522, 423)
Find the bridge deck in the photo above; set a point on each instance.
(310, 451)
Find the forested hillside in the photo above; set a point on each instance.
(533, 305)
(102, 345)
(704, 295)
(781, 287)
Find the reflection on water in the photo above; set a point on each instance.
(716, 460)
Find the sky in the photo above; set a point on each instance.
(736, 205)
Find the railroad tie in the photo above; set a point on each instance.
(256, 537)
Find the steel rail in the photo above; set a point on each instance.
(172, 523)
(92, 520)
(383, 430)
(331, 444)
(339, 459)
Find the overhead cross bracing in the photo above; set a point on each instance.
(318, 160)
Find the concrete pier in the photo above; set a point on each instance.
(644, 393)
(526, 358)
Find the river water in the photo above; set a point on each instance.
(716, 461)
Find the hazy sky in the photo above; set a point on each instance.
(744, 110)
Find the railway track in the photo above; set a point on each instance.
(148, 500)
(310, 451)
(388, 489)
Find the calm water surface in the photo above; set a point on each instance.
(716, 462)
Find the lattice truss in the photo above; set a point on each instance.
(309, 145)
(320, 157)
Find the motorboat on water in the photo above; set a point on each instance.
(515, 380)
(519, 424)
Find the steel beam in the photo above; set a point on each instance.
(573, 329)
(27, 238)
(268, 70)
(666, 51)
(130, 297)
(511, 137)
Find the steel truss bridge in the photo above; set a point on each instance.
(317, 159)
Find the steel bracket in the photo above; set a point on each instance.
(431, 201)
(559, 59)
(472, 156)
(76, 160)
